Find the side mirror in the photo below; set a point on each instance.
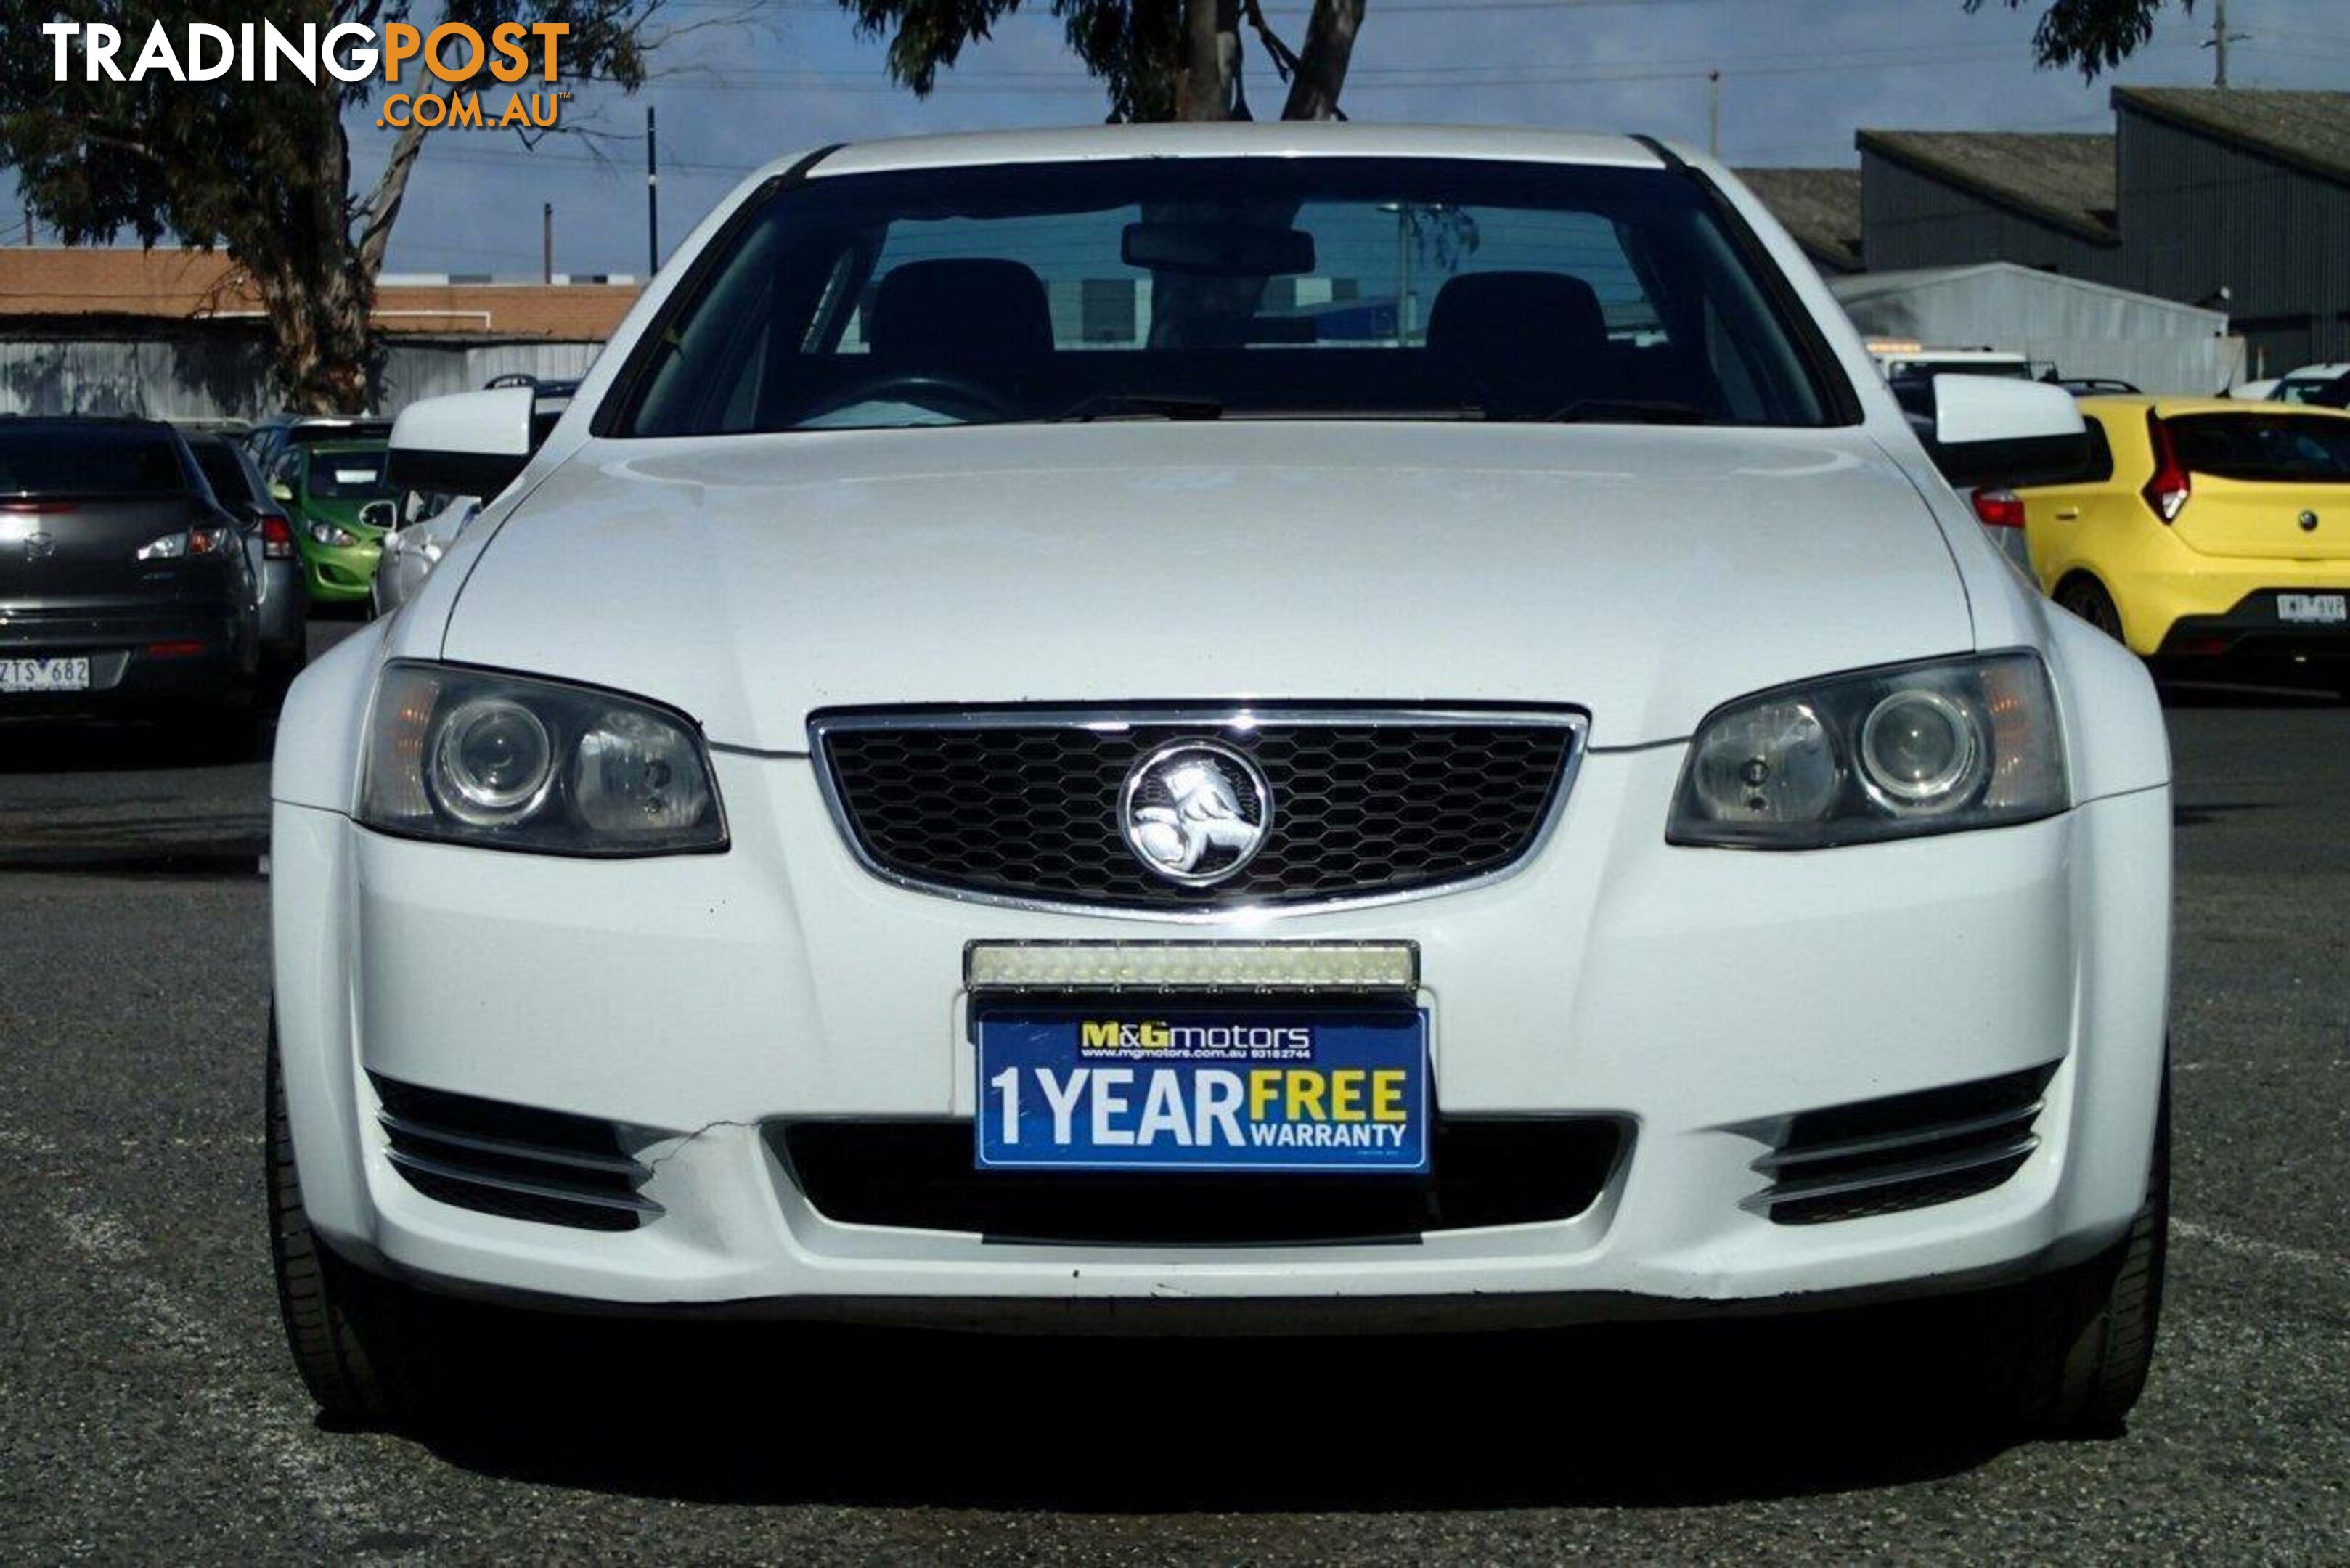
(280, 491)
(468, 444)
(380, 515)
(1995, 429)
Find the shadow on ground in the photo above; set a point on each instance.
(75, 745)
(1646, 1417)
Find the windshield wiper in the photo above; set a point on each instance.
(1137, 406)
(1628, 411)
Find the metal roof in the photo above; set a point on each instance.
(1820, 207)
(2063, 180)
(2308, 130)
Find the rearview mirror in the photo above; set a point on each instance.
(1995, 429)
(468, 444)
(1217, 250)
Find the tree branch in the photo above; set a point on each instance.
(1284, 59)
(382, 208)
(1322, 66)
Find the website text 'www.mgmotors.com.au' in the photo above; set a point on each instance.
(454, 55)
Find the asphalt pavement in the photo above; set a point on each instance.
(148, 1409)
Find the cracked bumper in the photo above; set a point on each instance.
(1691, 992)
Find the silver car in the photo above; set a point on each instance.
(418, 533)
(268, 537)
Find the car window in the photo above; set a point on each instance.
(223, 471)
(88, 460)
(2264, 447)
(349, 475)
(1304, 287)
(2098, 468)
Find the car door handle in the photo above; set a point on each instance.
(2068, 514)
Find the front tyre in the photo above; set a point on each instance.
(364, 1344)
(2086, 597)
(2083, 1341)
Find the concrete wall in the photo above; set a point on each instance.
(214, 375)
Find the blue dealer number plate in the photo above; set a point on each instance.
(1126, 1087)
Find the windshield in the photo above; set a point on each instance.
(2274, 449)
(223, 471)
(1205, 288)
(88, 460)
(347, 476)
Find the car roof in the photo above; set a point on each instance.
(2317, 373)
(2172, 408)
(85, 421)
(328, 448)
(1229, 139)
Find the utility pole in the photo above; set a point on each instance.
(546, 243)
(652, 197)
(1713, 113)
(2219, 41)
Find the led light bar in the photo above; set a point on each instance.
(1247, 967)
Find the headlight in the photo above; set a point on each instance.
(333, 537)
(516, 763)
(1881, 753)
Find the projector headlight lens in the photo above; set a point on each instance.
(1880, 753)
(511, 763)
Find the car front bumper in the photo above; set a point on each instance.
(1698, 996)
(333, 575)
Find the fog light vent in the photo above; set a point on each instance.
(517, 1161)
(1908, 1151)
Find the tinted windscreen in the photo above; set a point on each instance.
(53, 460)
(2265, 448)
(1225, 288)
(348, 476)
(221, 471)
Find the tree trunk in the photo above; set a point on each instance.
(1206, 86)
(1321, 63)
(320, 294)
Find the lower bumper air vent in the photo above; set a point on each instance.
(1881, 1156)
(512, 1160)
(919, 1176)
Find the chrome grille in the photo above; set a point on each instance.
(1021, 805)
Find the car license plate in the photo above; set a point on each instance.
(44, 674)
(2313, 609)
(1126, 1086)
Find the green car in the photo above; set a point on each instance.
(327, 489)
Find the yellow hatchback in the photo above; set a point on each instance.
(2204, 527)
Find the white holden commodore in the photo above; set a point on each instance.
(1230, 727)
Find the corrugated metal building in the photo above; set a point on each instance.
(2084, 328)
(2248, 191)
(2227, 198)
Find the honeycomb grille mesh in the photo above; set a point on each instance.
(1017, 809)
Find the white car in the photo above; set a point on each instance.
(2301, 386)
(1007, 764)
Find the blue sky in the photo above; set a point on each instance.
(1799, 76)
